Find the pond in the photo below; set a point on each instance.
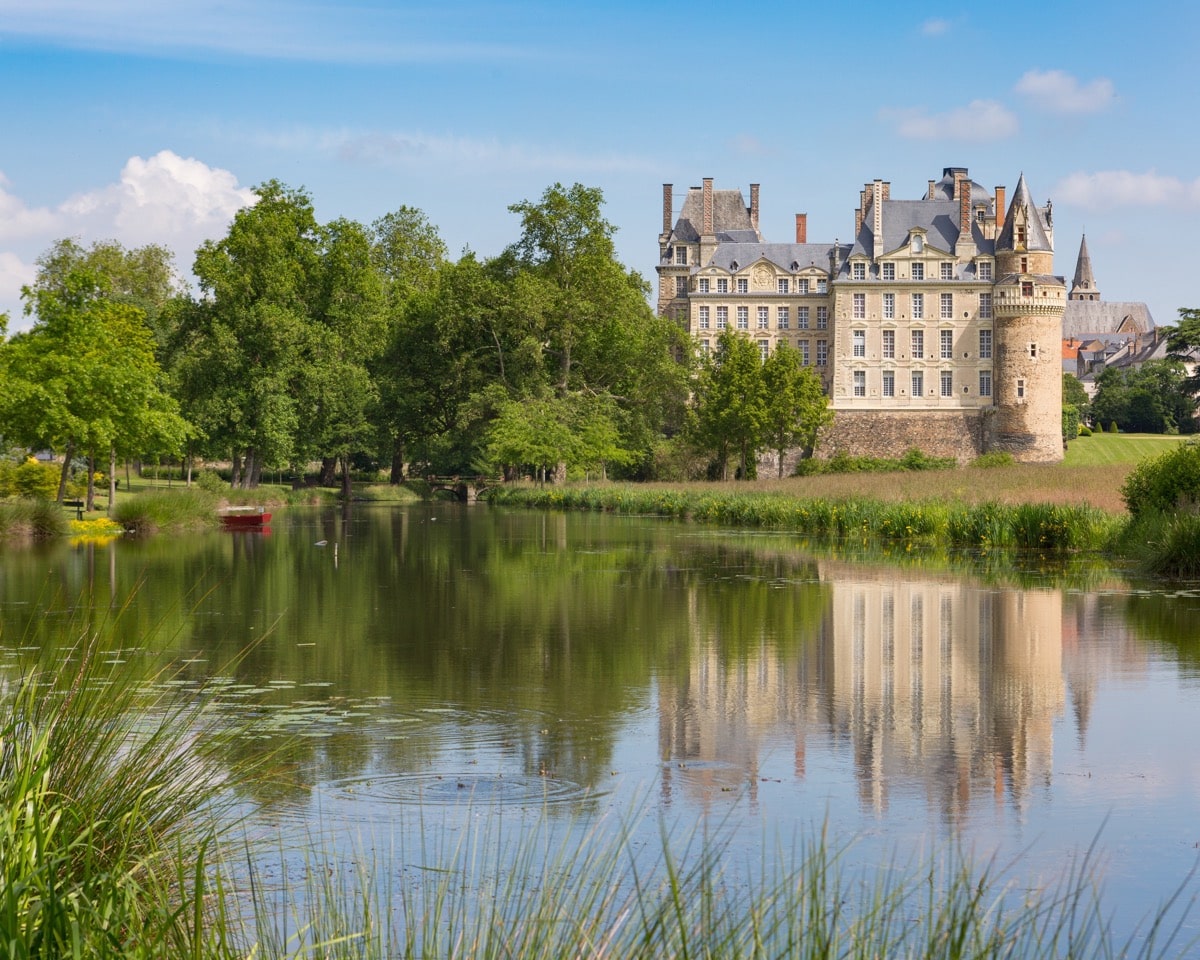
(428, 666)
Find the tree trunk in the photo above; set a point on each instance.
(66, 469)
(397, 474)
(112, 479)
(329, 467)
(91, 484)
(235, 471)
(346, 480)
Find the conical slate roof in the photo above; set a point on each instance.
(1084, 279)
(1037, 237)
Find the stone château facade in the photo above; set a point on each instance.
(938, 326)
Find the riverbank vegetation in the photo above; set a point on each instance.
(120, 838)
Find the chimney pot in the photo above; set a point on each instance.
(802, 228)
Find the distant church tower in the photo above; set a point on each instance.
(1029, 304)
(1084, 286)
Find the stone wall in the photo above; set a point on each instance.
(962, 434)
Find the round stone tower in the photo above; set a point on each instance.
(1028, 308)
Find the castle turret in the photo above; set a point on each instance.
(1028, 309)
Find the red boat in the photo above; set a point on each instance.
(244, 518)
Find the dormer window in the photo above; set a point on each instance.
(681, 256)
(918, 243)
(858, 270)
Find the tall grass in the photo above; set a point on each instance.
(1045, 527)
(166, 510)
(31, 519)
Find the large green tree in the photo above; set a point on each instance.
(1151, 398)
(730, 404)
(796, 405)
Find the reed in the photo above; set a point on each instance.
(31, 519)
(175, 509)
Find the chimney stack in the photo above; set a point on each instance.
(858, 218)
(666, 208)
(802, 228)
(964, 246)
(706, 226)
(754, 206)
(1000, 191)
(932, 184)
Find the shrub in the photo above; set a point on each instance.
(996, 458)
(1070, 422)
(211, 481)
(1164, 483)
(1112, 426)
(39, 481)
(1085, 430)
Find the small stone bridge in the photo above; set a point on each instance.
(466, 489)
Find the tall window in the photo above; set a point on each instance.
(946, 342)
(681, 256)
(703, 318)
(822, 352)
(822, 318)
(918, 271)
(947, 383)
(985, 270)
(889, 271)
(1020, 389)
(743, 318)
(764, 318)
(782, 285)
(918, 344)
(822, 285)
(860, 306)
(803, 344)
(947, 270)
(723, 285)
(743, 285)
(783, 318)
(704, 284)
(889, 344)
(918, 306)
(722, 318)
(858, 270)
(985, 383)
(985, 344)
(947, 306)
(889, 306)
(918, 383)
(860, 343)
(889, 383)
(802, 318)
(680, 286)
(704, 347)
(985, 306)
(860, 383)
(802, 286)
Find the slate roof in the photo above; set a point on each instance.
(944, 189)
(1084, 319)
(782, 255)
(1038, 232)
(938, 218)
(729, 215)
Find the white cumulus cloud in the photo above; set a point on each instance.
(166, 199)
(1058, 92)
(1105, 189)
(979, 120)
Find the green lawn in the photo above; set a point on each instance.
(1105, 448)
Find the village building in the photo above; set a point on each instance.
(936, 326)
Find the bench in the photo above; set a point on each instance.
(77, 505)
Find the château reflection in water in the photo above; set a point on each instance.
(941, 686)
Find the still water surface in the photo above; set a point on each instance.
(433, 662)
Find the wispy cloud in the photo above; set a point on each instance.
(935, 27)
(980, 120)
(1106, 189)
(746, 144)
(317, 31)
(1058, 92)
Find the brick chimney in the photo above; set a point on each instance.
(887, 190)
(706, 225)
(1000, 191)
(858, 217)
(964, 246)
(754, 206)
(959, 176)
(802, 228)
(666, 208)
(932, 184)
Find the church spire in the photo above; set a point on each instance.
(1084, 286)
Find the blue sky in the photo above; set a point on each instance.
(148, 121)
